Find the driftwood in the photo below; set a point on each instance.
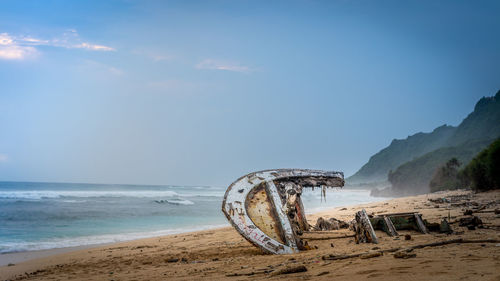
(329, 224)
(404, 255)
(364, 229)
(289, 270)
(470, 221)
(328, 237)
(320, 231)
(257, 271)
(420, 246)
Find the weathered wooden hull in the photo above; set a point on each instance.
(266, 209)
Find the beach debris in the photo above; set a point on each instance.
(266, 208)
(407, 237)
(390, 223)
(327, 237)
(330, 224)
(290, 270)
(411, 248)
(452, 199)
(371, 255)
(439, 200)
(364, 229)
(471, 222)
(404, 255)
(444, 227)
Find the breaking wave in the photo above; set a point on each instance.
(175, 201)
(49, 194)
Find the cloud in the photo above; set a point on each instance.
(11, 50)
(222, 65)
(93, 47)
(3, 158)
(71, 40)
(23, 47)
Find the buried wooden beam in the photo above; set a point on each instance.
(390, 227)
(420, 223)
(328, 237)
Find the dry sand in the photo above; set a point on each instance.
(222, 254)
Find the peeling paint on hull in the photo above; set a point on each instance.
(265, 207)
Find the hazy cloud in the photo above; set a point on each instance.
(22, 47)
(222, 65)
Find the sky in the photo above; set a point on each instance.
(203, 92)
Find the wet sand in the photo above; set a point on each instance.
(222, 254)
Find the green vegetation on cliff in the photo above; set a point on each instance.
(483, 172)
(446, 176)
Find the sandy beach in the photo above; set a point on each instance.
(222, 254)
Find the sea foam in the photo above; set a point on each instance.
(12, 247)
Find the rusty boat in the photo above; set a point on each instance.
(265, 207)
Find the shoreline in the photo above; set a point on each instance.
(21, 256)
(217, 253)
(18, 257)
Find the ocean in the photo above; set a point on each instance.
(39, 216)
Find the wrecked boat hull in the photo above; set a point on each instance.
(266, 209)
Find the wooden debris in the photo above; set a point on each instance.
(330, 224)
(390, 226)
(390, 223)
(420, 223)
(470, 221)
(420, 246)
(364, 229)
(328, 237)
(445, 227)
(371, 255)
(404, 255)
(289, 270)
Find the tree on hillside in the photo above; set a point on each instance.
(483, 172)
(446, 176)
